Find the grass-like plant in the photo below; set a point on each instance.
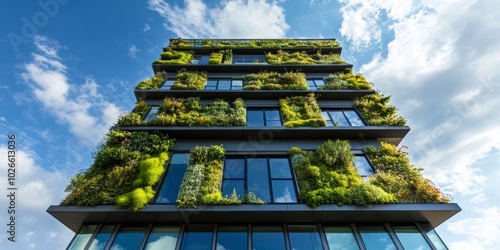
(262, 43)
(376, 110)
(285, 57)
(189, 80)
(154, 82)
(301, 111)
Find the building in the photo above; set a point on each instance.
(278, 145)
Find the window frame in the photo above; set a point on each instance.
(314, 84)
(255, 58)
(343, 110)
(266, 121)
(231, 84)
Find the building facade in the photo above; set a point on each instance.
(254, 144)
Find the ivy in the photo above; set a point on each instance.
(376, 110)
(301, 111)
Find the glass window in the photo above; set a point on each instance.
(153, 112)
(335, 117)
(249, 59)
(201, 59)
(263, 117)
(411, 238)
(168, 84)
(162, 238)
(197, 237)
(101, 239)
(173, 178)
(270, 179)
(231, 237)
(224, 84)
(376, 238)
(237, 84)
(129, 238)
(268, 238)
(341, 238)
(304, 237)
(315, 83)
(81, 239)
(434, 237)
(363, 166)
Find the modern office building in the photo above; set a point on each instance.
(254, 144)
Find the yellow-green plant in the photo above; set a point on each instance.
(175, 57)
(189, 80)
(285, 57)
(376, 110)
(215, 58)
(154, 82)
(347, 80)
(301, 111)
(134, 118)
(275, 81)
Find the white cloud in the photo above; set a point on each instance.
(132, 51)
(233, 18)
(71, 104)
(488, 226)
(2, 119)
(146, 27)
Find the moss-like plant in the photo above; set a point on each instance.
(275, 81)
(327, 176)
(285, 57)
(261, 43)
(154, 82)
(376, 110)
(189, 80)
(190, 112)
(396, 175)
(175, 57)
(125, 172)
(347, 80)
(134, 118)
(301, 111)
(228, 56)
(215, 58)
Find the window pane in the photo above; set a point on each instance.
(304, 237)
(376, 238)
(224, 84)
(102, 237)
(204, 60)
(319, 82)
(283, 191)
(354, 118)
(268, 238)
(363, 166)
(341, 238)
(273, 115)
(327, 118)
(411, 238)
(162, 238)
(171, 183)
(82, 237)
(434, 237)
(255, 118)
(236, 83)
(197, 237)
(129, 238)
(234, 168)
(212, 83)
(338, 118)
(151, 114)
(168, 84)
(280, 168)
(228, 186)
(231, 237)
(258, 179)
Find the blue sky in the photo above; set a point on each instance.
(69, 69)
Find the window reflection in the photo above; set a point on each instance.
(363, 166)
(173, 178)
(162, 238)
(335, 117)
(102, 237)
(341, 238)
(434, 237)
(376, 238)
(231, 237)
(197, 237)
(268, 238)
(263, 117)
(129, 238)
(82, 237)
(304, 237)
(411, 238)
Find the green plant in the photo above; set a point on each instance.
(261, 43)
(228, 56)
(301, 111)
(175, 57)
(285, 57)
(347, 80)
(189, 80)
(134, 118)
(376, 110)
(215, 58)
(154, 82)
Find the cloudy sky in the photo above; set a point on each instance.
(69, 69)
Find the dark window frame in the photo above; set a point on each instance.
(343, 110)
(232, 86)
(266, 121)
(315, 85)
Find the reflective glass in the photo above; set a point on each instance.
(311, 84)
(268, 238)
(229, 185)
(354, 118)
(162, 238)
(231, 237)
(338, 118)
(234, 168)
(174, 174)
(102, 237)
(151, 114)
(197, 237)
(224, 84)
(258, 178)
(273, 123)
(341, 238)
(272, 115)
(129, 238)
(237, 85)
(376, 238)
(168, 83)
(304, 237)
(204, 60)
(411, 238)
(280, 168)
(327, 118)
(363, 166)
(255, 118)
(212, 83)
(319, 82)
(434, 237)
(283, 191)
(82, 237)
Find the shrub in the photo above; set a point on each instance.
(154, 82)
(215, 58)
(228, 56)
(132, 119)
(285, 57)
(301, 111)
(376, 110)
(189, 80)
(175, 57)
(347, 80)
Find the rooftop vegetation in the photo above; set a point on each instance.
(301, 111)
(285, 57)
(253, 43)
(275, 81)
(376, 110)
(154, 82)
(126, 171)
(175, 57)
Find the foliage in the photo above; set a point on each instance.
(228, 56)
(190, 112)
(175, 57)
(396, 175)
(257, 80)
(215, 58)
(135, 117)
(261, 43)
(327, 176)
(154, 82)
(347, 80)
(189, 80)
(376, 110)
(285, 57)
(301, 111)
(126, 170)
(201, 183)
